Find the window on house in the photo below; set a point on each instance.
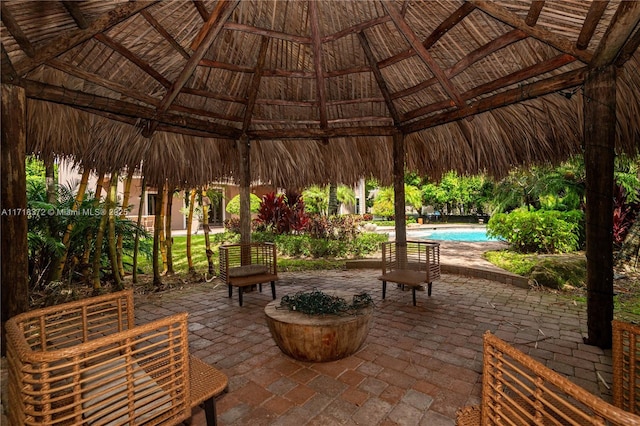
(151, 204)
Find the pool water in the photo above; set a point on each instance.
(455, 234)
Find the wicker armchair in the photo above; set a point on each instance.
(244, 265)
(86, 362)
(412, 264)
(517, 390)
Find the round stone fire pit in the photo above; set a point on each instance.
(318, 338)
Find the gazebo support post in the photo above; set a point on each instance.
(244, 157)
(398, 187)
(15, 282)
(599, 143)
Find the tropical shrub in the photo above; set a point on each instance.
(625, 211)
(541, 231)
(282, 214)
(233, 207)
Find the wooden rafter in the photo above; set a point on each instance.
(74, 98)
(411, 37)
(317, 133)
(354, 29)
(454, 19)
(8, 73)
(202, 9)
(163, 32)
(234, 26)
(464, 63)
(202, 42)
(501, 83)
(382, 84)
(316, 43)
(561, 43)
(77, 15)
(14, 29)
(70, 39)
(502, 99)
(627, 50)
(135, 59)
(620, 29)
(255, 84)
(596, 10)
(534, 12)
(101, 81)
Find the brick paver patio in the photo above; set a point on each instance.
(418, 365)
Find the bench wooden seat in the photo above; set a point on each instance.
(244, 265)
(413, 264)
(518, 390)
(86, 362)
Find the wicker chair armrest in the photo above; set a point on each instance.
(517, 387)
(137, 374)
(626, 366)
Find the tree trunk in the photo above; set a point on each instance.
(50, 179)
(192, 200)
(163, 245)
(205, 227)
(97, 254)
(333, 199)
(66, 238)
(111, 237)
(136, 244)
(157, 235)
(14, 259)
(599, 135)
(123, 215)
(167, 232)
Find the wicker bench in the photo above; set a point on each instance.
(412, 264)
(244, 265)
(518, 390)
(86, 362)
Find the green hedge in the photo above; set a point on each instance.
(541, 231)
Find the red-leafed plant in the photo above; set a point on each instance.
(283, 214)
(623, 215)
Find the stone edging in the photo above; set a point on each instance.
(493, 275)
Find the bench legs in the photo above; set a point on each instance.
(273, 291)
(210, 411)
(384, 291)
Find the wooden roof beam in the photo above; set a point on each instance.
(620, 29)
(144, 66)
(70, 39)
(454, 19)
(382, 84)
(426, 57)
(629, 48)
(163, 32)
(316, 44)
(255, 84)
(534, 12)
(596, 10)
(317, 133)
(77, 15)
(464, 63)
(74, 98)
(515, 77)
(234, 26)
(500, 13)
(14, 29)
(8, 72)
(502, 99)
(201, 44)
(202, 9)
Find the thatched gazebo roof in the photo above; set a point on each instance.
(322, 85)
(294, 92)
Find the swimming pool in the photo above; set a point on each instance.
(453, 234)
